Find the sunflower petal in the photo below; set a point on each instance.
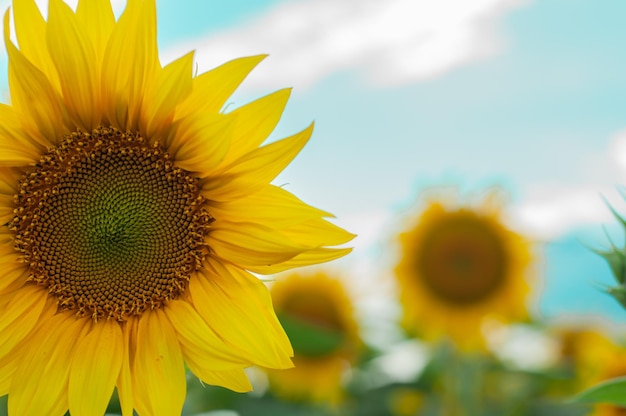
(130, 64)
(37, 104)
(20, 316)
(202, 142)
(124, 381)
(158, 370)
(255, 122)
(49, 356)
(97, 22)
(211, 89)
(250, 244)
(30, 29)
(171, 86)
(256, 168)
(317, 232)
(238, 307)
(316, 256)
(95, 367)
(198, 340)
(14, 272)
(270, 205)
(16, 148)
(74, 57)
(235, 380)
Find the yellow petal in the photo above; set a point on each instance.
(75, 60)
(16, 148)
(235, 380)
(269, 205)
(95, 368)
(124, 381)
(316, 256)
(37, 104)
(171, 86)
(7, 370)
(130, 64)
(97, 21)
(255, 122)
(14, 271)
(238, 307)
(20, 316)
(249, 244)
(317, 232)
(213, 88)
(158, 370)
(255, 169)
(30, 29)
(200, 341)
(201, 142)
(49, 357)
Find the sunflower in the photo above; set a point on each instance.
(318, 315)
(458, 266)
(594, 358)
(135, 210)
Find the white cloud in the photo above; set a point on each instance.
(551, 209)
(388, 42)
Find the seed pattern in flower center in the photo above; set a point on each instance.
(109, 225)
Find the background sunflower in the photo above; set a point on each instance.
(318, 315)
(460, 265)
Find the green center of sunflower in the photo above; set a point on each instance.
(109, 225)
(462, 259)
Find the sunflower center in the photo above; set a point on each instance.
(463, 260)
(109, 225)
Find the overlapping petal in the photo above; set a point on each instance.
(158, 372)
(95, 369)
(49, 356)
(249, 326)
(73, 56)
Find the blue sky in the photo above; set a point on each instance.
(410, 94)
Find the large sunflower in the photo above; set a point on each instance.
(317, 313)
(134, 212)
(459, 265)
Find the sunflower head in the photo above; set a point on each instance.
(459, 265)
(594, 358)
(317, 314)
(134, 211)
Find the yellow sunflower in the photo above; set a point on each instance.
(318, 315)
(594, 358)
(134, 212)
(459, 265)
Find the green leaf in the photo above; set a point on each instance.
(612, 391)
(617, 262)
(619, 293)
(309, 339)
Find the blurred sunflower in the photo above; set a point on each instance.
(317, 314)
(594, 358)
(134, 211)
(458, 266)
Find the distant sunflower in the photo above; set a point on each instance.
(458, 266)
(318, 315)
(594, 358)
(134, 212)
